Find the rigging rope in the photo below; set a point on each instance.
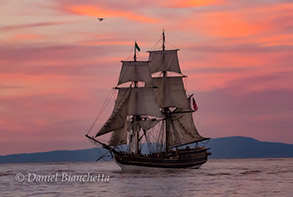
(95, 147)
(155, 46)
(205, 142)
(128, 58)
(171, 44)
(103, 107)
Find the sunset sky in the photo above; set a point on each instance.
(58, 64)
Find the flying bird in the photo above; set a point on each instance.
(100, 19)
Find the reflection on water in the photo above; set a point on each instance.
(248, 177)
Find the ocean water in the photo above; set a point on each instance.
(234, 177)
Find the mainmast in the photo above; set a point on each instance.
(163, 47)
(166, 109)
(171, 96)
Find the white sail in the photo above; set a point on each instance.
(170, 92)
(148, 124)
(131, 101)
(142, 101)
(119, 114)
(134, 71)
(166, 60)
(133, 128)
(118, 137)
(183, 130)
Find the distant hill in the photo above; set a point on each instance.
(221, 148)
(55, 156)
(245, 147)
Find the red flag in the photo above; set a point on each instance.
(195, 108)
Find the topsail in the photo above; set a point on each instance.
(170, 92)
(166, 60)
(134, 71)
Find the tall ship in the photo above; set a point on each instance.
(151, 125)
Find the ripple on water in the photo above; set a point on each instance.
(216, 177)
(250, 172)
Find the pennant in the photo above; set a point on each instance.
(137, 47)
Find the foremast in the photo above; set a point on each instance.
(136, 117)
(134, 103)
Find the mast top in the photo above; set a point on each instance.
(136, 47)
(163, 47)
(134, 55)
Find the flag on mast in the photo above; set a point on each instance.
(195, 108)
(137, 47)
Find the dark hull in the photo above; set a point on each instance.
(192, 158)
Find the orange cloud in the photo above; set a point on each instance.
(274, 8)
(275, 40)
(193, 3)
(25, 37)
(32, 25)
(222, 24)
(95, 11)
(115, 43)
(240, 22)
(216, 65)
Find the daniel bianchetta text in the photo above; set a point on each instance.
(62, 177)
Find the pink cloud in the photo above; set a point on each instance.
(97, 11)
(32, 25)
(231, 111)
(190, 3)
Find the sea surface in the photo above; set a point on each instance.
(231, 177)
